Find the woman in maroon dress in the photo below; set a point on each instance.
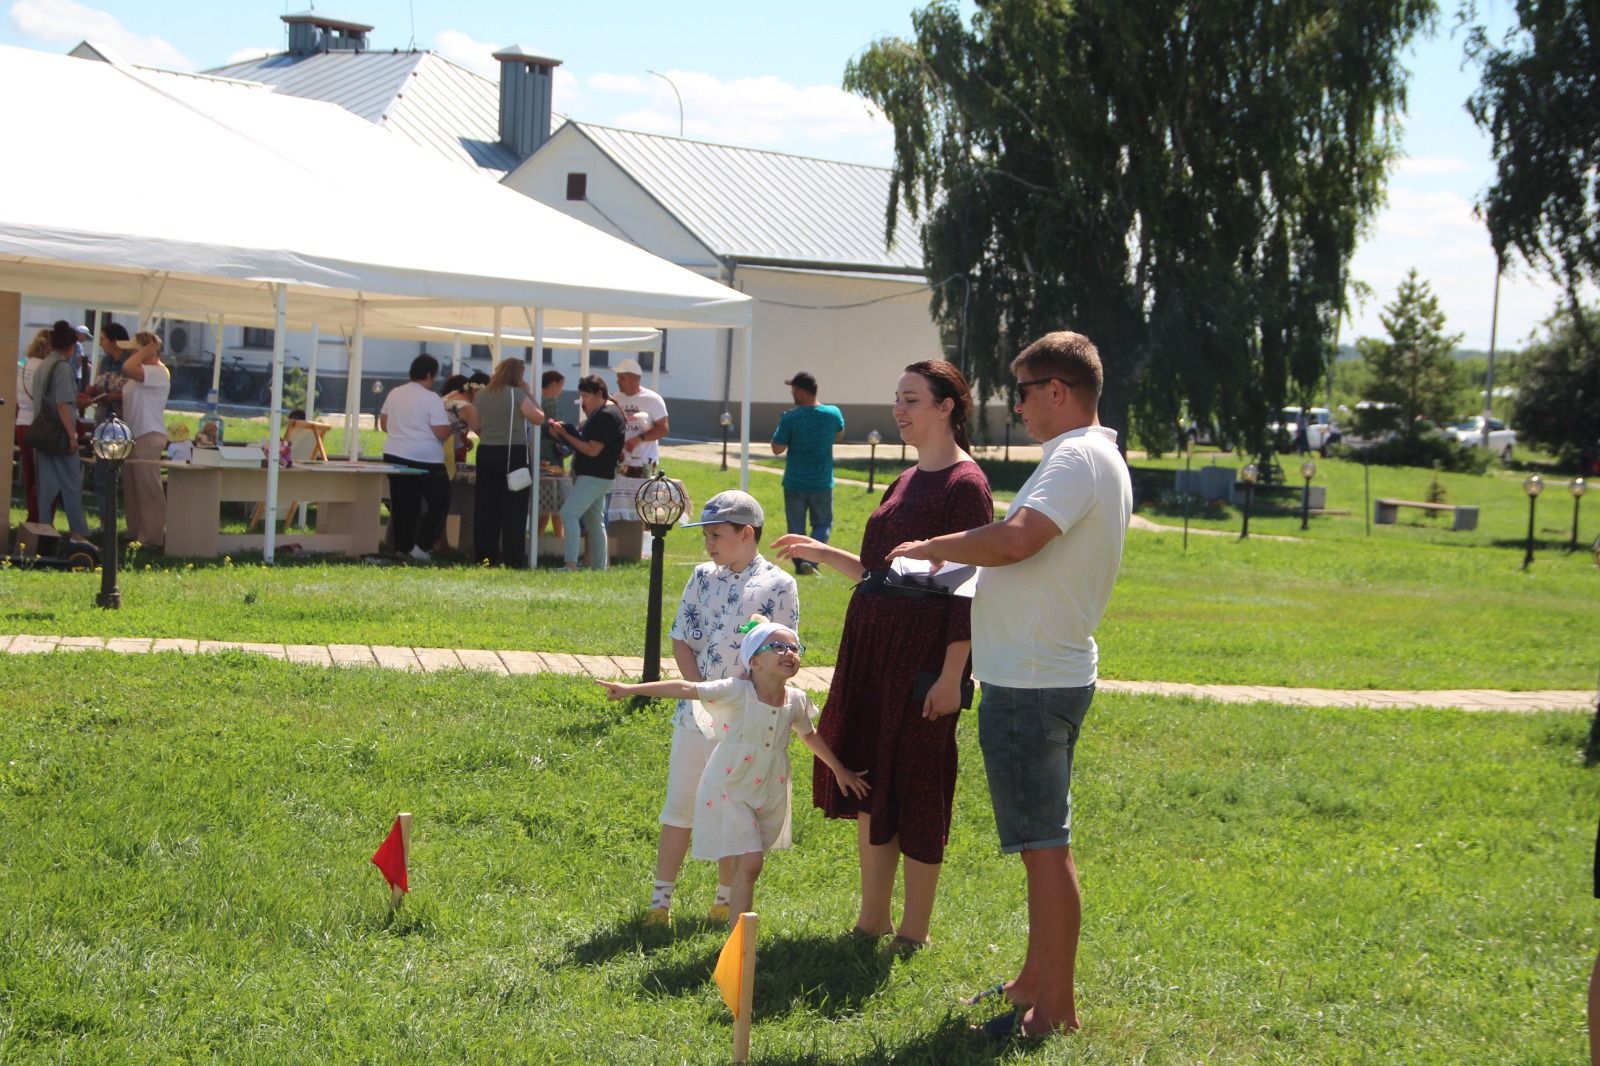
(871, 718)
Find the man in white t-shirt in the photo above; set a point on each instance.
(414, 418)
(647, 419)
(1046, 578)
(144, 405)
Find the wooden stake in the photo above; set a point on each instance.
(747, 989)
(397, 895)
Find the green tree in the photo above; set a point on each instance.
(1184, 183)
(1539, 100)
(1558, 398)
(1414, 368)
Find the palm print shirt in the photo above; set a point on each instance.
(716, 602)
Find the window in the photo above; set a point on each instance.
(577, 186)
(256, 338)
(647, 360)
(481, 351)
(549, 357)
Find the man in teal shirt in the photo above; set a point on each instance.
(807, 432)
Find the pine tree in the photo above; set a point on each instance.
(1414, 369)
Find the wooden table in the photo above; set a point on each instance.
(348, 498)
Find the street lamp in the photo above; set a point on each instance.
(1577, 486)
(1532, 486)
(1248, 475)
(725, 420)
(874, 438)
(660, 503)
(1308, 470)
(113, 442)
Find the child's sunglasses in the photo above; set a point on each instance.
(780, 646)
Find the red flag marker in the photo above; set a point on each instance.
(391, 858)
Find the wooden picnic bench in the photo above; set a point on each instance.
(1387, 512)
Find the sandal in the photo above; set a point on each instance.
(858, 935)
(1006, 1029)
(905, 946)
(987, 993)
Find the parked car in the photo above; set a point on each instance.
(1469, 434)
(1207, 434)
(1321, 432)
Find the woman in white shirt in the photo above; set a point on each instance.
(38, 348)
(414, 418)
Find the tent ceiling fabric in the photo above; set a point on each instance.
(227, 187)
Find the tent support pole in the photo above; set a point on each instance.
(311, 373)
(744, 409)
(216, 356)
(495, 357)
(455, 357)
(275, 420)
(352, 396)
(583, 349)
(533, 459)
(94, 345)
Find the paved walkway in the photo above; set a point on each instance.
(816, 678)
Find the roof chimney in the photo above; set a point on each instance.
(310, 33)
(525, 86)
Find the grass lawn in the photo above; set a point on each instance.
(183, 864)
(1409, 607)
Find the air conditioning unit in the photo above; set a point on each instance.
(182, 338)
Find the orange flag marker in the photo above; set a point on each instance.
(391, 858)
(735, 976)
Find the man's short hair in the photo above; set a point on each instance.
(424, 366)
(804, 382)
(551, 377)
(115, 330)
(1069, 356)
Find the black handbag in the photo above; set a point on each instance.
(45, 434)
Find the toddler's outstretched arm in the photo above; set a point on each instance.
(850, 782)
(676, 690)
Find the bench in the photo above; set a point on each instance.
(1387, 512)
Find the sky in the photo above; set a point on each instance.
(762, 74)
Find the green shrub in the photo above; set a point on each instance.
(1427, 449)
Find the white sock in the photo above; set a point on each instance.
(661, 896)
(724, 893)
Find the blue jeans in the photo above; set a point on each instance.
(586, 504)
(820, 504)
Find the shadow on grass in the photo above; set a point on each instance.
(832, 976)
(951, 1044)
(611, 714)
(632, 937)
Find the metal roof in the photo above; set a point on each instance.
(422, 96)
(760, 206)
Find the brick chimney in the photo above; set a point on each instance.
(526, 81)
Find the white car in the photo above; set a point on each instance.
(1320, 430)
(1470, 434)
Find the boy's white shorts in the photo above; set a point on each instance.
(691, 749)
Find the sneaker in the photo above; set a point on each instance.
(803, 568)
(657, 916)
(718, 913)
(420, 556)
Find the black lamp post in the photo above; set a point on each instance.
(1532, 486)
(1308, 470)
(660, 504)
(874, 438)
(113, 442)
(725, 420)
(1248, 475)
(1577, 486)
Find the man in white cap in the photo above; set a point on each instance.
(647, 420)
(720, 596)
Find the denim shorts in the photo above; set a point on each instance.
(1027, 736)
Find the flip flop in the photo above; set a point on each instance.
(1001, 1029)
(858, 935)
(905, 947)
(987, 993)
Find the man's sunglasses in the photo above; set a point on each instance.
(1022, 386)
(780, 646)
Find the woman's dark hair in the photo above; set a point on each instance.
(478, 378)
(594, 383)
(946, 383)
(115, 330)
(62, 336)
(424, 366)
(550, 378)
(453, 383)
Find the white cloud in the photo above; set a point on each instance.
(1416, 166)
(65, 23)
(477, 56)
(244, 55)
(761, 112)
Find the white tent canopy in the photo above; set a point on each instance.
(286, 212)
